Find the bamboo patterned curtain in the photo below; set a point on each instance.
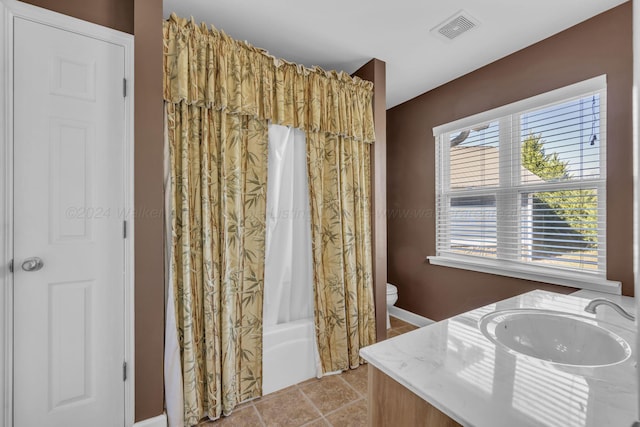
(340, 188)
(220, 95)
(218, 207)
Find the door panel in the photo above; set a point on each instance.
(70, 181)
(68, 210)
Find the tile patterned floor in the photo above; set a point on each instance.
(335, 400)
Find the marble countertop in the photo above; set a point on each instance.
(454, 367)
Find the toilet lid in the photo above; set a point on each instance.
(391, 289)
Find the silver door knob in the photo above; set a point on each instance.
(32, 264)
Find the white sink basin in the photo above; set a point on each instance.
(555, 337)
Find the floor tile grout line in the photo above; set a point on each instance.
(315, 420)
(312, 404)
(349, 384)
(273, 394)
(299, 387)
(358, 395)
(345, 405)
(358, 399)
(291, 389)
(262, 423)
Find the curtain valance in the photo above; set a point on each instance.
(206, 67)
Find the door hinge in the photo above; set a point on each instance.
(11, 266)
(124, 371)
(124, 229)
(124, 88)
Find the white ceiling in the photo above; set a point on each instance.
(344, 35)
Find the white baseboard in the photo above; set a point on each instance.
(409, 317)
(159, 421)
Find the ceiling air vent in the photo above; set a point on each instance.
(454, 26)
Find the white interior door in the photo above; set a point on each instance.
(68, 212)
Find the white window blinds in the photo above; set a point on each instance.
(524, 185)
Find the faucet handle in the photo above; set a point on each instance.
(591, 308)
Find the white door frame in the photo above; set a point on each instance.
(636, 174)
(9, 9)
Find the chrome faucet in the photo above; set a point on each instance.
(591, 308)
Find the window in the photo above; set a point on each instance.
(521, 190)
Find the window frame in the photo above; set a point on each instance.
(509, 263)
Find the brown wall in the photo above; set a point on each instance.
(149, 201)
(601, 45)
(375, 71)
(116, 14)
(144, 19)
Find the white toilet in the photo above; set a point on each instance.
(392, 297)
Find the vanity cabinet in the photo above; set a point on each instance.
(392, 404)
(453, 366)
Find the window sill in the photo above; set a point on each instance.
(508, 269)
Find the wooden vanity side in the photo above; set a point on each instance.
(392, 404)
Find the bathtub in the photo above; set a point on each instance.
(289, 355)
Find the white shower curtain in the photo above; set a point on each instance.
(288, 288)
(172, 366)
